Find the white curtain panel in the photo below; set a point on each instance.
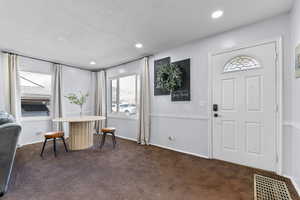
(12, 85)
(57, 109)
(144, 107)
(100, 99)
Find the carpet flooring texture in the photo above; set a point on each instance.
(128, 172)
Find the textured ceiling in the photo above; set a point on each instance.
(78, 31)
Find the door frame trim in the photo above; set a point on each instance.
(279, 93)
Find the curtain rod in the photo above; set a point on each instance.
(118, 65)
(76, 67)
(44, 60)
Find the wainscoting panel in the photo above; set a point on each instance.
(187, 134)
(32, 131)
(291, 149)
(180, 133)
(126, 128)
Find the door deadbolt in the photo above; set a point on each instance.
(215, 107)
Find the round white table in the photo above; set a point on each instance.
(81, 130)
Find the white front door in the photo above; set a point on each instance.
(244, 120)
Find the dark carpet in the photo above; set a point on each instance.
(128, 172)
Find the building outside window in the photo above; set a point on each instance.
(35, 94)
(124, 95)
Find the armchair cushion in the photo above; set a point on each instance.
(9, 134)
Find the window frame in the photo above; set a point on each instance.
(118, 114)
(36, 118)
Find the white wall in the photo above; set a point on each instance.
(292, 139)
(75, 81)
(36, 66)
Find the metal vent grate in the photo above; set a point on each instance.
(266, 188)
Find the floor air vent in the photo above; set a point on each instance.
(266, 188)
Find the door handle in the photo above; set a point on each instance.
(216, 115)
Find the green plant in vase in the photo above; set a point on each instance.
(79, 100)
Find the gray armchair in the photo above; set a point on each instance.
(9, 134)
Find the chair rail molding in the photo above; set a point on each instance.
(187, 117)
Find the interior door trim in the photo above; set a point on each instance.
(279, 92)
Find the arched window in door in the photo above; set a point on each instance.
(241, 63)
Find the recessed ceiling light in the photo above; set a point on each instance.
(217, 14)
(139, 45)
(92, 63)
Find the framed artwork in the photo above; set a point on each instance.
(297, 61)
(157, 65)
(184, 92)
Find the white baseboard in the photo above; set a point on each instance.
(164, 147)
(35, 142)
(180, 151)
(126, 138)
(28, 143)
(296, 186)
(294, 183)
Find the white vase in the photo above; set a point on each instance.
(81, 112)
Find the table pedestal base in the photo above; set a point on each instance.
(81, 135)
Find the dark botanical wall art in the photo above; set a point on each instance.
(172, 78)
(169, 77)
(157, 65)
(183, 92)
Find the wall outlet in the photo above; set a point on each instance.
(202, 103)
(171, 138)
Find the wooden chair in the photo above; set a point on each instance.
(54, 136)
(111, 131)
